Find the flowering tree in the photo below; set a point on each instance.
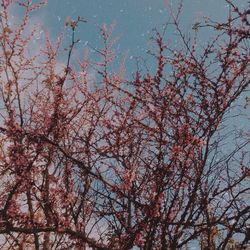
(101, 161)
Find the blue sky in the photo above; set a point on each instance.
(134, 19)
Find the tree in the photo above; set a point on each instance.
(105, 161)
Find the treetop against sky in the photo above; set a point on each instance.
(134, 19)
(98, 151)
